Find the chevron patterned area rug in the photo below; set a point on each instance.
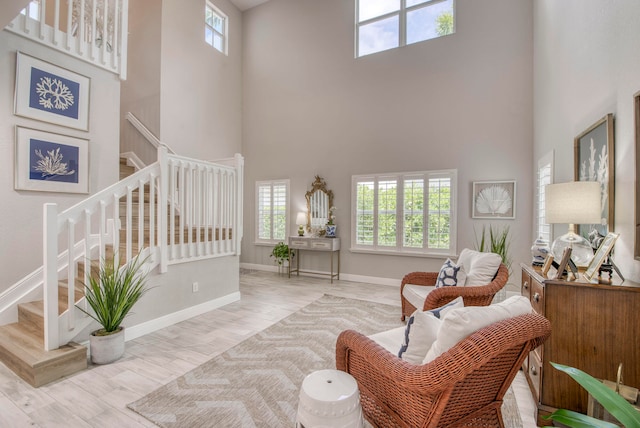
(257, 382)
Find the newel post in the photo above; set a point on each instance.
(163, 207)
(50, 276)
(238, 232)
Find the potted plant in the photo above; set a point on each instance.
(281, 253)
(111, 295)
(617, 406)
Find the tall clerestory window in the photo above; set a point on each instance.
(216, 27)
(388, 24)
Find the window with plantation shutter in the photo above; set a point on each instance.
(404, 213)
(272, 207)
(544, 177)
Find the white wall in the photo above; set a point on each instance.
(201, 112)
(21, 211)
(463, 101)
(586, 65)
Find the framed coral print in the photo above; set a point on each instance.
(594, 161)
(494, 199)
(51, 94)
(47, 162)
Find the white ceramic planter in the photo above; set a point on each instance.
(106, 349)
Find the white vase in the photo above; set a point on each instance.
(106, 349)
(331, 231)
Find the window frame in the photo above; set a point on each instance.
(225, 37)
(271, 184)
(543, 230)
(399, 249)
(402, 23)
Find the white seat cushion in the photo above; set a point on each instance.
(481, 268)
(391, 340)
(462, 322)
(417, 294)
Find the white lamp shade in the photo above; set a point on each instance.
(576, 202)
(301, 219)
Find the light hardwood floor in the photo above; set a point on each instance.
(97, 397)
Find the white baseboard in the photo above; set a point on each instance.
(343, 276)
(136, 331)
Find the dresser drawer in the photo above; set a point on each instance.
(537, 296)
(299, 243)
(535, 374)
(321, 245)
(526, 285)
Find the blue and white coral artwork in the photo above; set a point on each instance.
(53, 161)
(52, 93)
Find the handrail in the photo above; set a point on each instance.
(146, 133)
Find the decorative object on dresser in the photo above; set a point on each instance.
(573, 203)
(485, 275)
(539, 251)
(600, 257)
(595, 327)
(494, 199)
(331, 226)
(315, 245)
(594, 160)
(301, 221)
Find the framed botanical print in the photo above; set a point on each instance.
(594, 161)
(494, 199)
(49, 162)
(50, 93)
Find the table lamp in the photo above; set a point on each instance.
(301, 220)
(576, 202)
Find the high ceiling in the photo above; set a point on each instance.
(247, 4)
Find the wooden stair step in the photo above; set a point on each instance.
(23, 352)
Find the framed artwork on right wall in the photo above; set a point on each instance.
(594, 161)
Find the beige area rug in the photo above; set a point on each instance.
(256, 383)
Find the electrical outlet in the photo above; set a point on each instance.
(195, 287)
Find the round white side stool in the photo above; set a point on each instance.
(329, 399)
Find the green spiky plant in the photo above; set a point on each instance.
(497, 242)
(609, 399)
(115, 290)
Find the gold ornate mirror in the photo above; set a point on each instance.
(319, 200)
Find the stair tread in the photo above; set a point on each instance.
(23, 342)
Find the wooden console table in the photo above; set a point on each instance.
(327, 245)
(594, 327)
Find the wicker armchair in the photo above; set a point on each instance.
(474, 295)
(464, 386)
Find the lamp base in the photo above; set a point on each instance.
(581, 251)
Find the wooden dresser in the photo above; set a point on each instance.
(594, 328)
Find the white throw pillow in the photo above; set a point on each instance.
(462, 322)
(422, 329)
(451, 275)
(480, 268)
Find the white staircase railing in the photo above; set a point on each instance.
(92, 30)
(209, 224)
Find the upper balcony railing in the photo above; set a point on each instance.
(92, 30)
